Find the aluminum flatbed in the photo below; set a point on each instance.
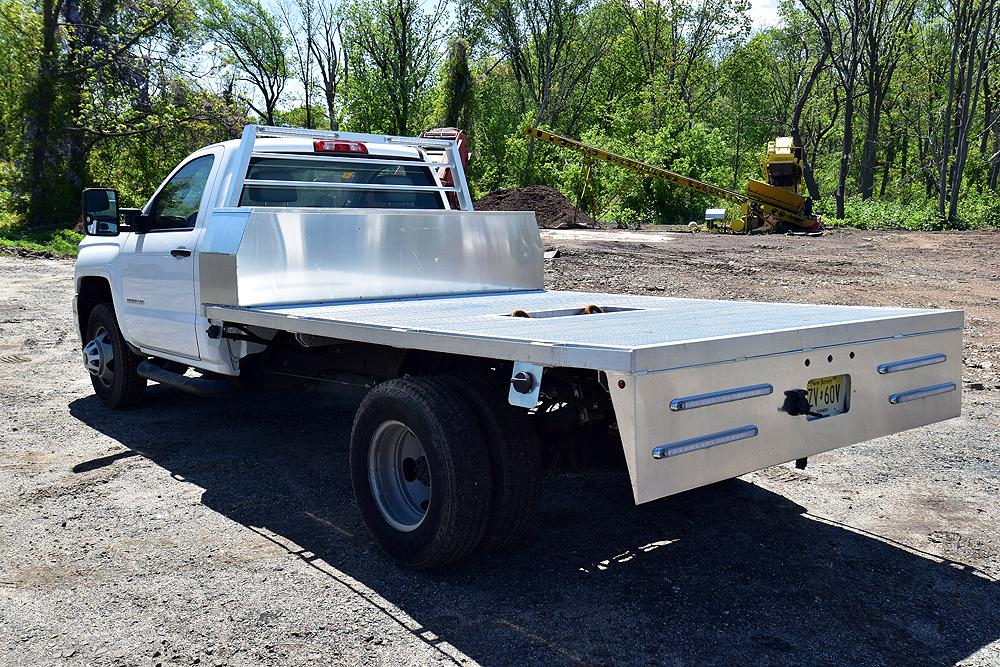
(633, 334)
(685, 375)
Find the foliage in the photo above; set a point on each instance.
(135, 164)
(255, 47)
(54, 240)
(455, 105)
(980, 210)
(393, 47)
(896, 103)
(301, 116)
(19, 52)
(875, 214)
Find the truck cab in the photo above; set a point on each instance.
(147, 263)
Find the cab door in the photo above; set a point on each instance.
(158, 265)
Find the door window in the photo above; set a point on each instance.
(176, 207)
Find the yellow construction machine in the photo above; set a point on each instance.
(772, 206)
(781, 166)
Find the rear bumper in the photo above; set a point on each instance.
(672, 450)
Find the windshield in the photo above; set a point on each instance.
(334, 183)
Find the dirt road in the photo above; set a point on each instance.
(193, 532)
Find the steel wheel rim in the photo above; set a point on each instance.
(99, 357)
(399, 475)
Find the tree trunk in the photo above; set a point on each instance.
(866, 180)
(946, 145)
(988, 115)
(800, 103)
(74, 147)
(736, 158)
(903, 156)
(41, 100)
(890, 156)
(994, 178)
(331, 109)
(975, 63)
(309, 112)
(840, 193)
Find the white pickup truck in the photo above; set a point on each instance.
(358, 259)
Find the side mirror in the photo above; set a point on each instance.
(100, 212)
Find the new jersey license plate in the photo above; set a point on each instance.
(828, 396)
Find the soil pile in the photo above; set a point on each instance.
(552, 210)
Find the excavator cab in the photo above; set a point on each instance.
(782, 165)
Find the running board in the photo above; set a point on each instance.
(199, 386)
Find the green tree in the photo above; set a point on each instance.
(552, 48)
(255, 46)
(114, 51)
(456, 99)
(742, 111)
(330, 55)
(394, 47)
(20, 30)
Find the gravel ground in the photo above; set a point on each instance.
(193, 532)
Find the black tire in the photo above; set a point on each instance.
(457, 510)
(124, 387)
(515, 457)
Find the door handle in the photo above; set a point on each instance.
(180, 252)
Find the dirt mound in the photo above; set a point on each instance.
(552, 210)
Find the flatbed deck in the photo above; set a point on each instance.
(635, 333)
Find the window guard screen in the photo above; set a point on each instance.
(331, 183)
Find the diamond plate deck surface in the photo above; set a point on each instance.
(658, 322)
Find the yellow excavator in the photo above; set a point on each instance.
(771, 206)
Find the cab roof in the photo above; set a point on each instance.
(305, 145)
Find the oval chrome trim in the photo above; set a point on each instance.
(704, 441)
(718, 397)
(908, 364)
(923, 392)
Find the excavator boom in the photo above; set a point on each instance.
(636, 165)
(763, 206)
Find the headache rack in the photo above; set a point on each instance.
(447, 148)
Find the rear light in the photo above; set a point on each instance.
(705, 441)
(717, 397)
(923, 392)
(333, 146)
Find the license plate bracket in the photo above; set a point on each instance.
(829, 395)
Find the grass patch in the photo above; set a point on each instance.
(55, 240)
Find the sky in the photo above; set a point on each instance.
(764, 13)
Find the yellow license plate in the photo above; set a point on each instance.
(828, 396)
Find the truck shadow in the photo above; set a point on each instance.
(723, 575)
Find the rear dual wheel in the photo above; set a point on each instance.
(515, 457)
(420, 472)
(442, 468)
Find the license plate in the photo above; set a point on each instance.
(828, 396)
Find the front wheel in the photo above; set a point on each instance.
(110, 362)
(421, 472)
